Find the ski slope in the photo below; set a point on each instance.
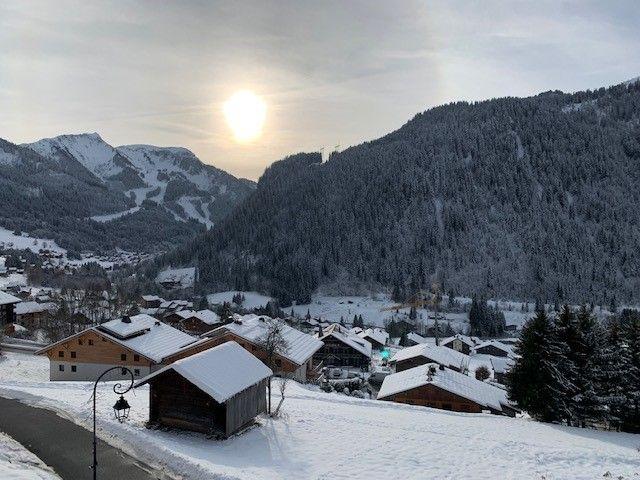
(333, 436)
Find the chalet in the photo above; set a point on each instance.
(411, 339)
(33, 315)
(151, 301)
(7, 308)
(423, 353)
(461, 343)
(494, 348)
(343, 349)
(249, 331)
(377, 337)
(436, 386)
(501, 366)
(140, 343)
(218, 391)
(194, 322)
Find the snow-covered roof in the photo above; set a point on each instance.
(6, 298)
(501, 364)
(471, 341)
(376, 334)
(495, 343)
(343, 335)
(300, 346)
(446, 379)
(24, 308)
(208, 316)
(147, 336)
(439, 354)
(184, 276)
(152, 298)
(222, 371)
(414, 337)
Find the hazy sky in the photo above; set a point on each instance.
(330, 72)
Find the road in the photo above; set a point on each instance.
(67, 447)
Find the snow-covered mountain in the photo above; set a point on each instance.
(88, 195)
(171, 177)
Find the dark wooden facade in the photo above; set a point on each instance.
(176, 402)
(7, 314)
(339, 354)
(458, 345)
(417, 361)
(492, 350)
(432, 396)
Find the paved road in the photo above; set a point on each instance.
(65, 446)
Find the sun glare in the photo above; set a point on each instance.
(245, 113)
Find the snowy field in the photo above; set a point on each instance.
(23, 242)
(18, 463)
(332, 436)
(251, 299)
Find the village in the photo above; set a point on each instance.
(225, 366)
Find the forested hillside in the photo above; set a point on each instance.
(89, 196)
(522, 197)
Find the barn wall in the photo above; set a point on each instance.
(435, 397)
(245, 406)
(335, 352)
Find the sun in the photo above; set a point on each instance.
(245, 113)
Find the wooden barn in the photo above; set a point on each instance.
(423, 353)
(435, 386)
(343, 349)
(218, 391)
(7, 308)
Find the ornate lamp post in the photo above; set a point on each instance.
(120, 409)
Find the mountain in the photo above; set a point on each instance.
(88, 195)
(530, 198)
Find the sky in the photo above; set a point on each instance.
(331, 73)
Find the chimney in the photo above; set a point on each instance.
(126, 319)
(442, 367)
(157, 322)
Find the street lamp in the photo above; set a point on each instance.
(120, 409)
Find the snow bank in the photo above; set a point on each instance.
(18, 463)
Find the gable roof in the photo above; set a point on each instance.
(502, 364)
(497, 344)
(24, 308)
(253, 328)
(145, 335)
(439, 354)
(207, 316)
(343, 335)
(375, 334)
(222, 371)
(471, 341)
(414, 337)
(457, 383)
(7, 299)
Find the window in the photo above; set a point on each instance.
(61, 368)
(61, 354)
(73, 354)
(136, 358)
(123, 357)
(136, 372)
(80, 342)
(73, 368)
(90, 342)
(123, 371)
(278, 362)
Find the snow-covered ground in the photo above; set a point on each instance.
(251, 299)
(113, 216)
(18, 463)
(332, 436)
(23, 242)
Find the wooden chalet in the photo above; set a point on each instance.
(139, 343)
(343, 349)
(151, 301)
(377, 337)
(494, 348)
(461, 343)
(7, 309)
(218, 391)
(34, 315)
(435, 386)
(194, 322)
(248, 331)
(422, 354)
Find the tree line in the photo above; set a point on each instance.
(575, 370)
